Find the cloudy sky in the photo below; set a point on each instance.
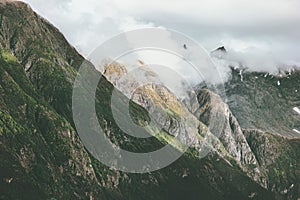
(264, 32)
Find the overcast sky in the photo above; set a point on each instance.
(267, 31)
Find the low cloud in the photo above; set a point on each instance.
(261, 34)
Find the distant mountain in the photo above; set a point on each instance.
(261, 100)
(220, 52)
(265, 101)
(42, 156)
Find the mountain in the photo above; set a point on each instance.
(228, 137)
(262, 100)
(267, 100)
(42, 156)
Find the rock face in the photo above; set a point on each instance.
(113, 71)
(42, 156)
(228, 130)
(172, 116)
(166, 110)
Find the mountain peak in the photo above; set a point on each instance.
(222, 49)
(220, 52)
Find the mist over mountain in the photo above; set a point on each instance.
(261, 33)
(251, 60)
(257, 96)
(234, 152)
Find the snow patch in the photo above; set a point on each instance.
(295, 130)
(297, 110)
(241, 75)
(278, 83)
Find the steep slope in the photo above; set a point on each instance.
(40, 151)
(231, 134)
(42, 50)
(41, 154)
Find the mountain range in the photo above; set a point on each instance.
(254, 155)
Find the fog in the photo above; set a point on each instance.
(262, 35)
